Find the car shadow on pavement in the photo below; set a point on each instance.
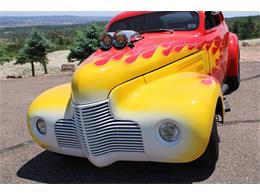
(51, 168)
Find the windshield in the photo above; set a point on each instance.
(177, 21)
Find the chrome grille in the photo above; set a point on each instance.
(69, 134)
(66, 134)
(100, 133)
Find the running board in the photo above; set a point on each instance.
(226, 105)
(225, 90)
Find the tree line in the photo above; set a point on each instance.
(245, 27)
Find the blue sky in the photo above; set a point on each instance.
(104, 13)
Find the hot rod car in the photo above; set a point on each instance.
(153, 91)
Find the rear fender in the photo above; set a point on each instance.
(233, 55)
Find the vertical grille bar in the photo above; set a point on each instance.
(80, 130)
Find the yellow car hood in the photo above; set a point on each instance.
(104, 70)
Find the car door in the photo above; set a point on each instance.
(217, 35)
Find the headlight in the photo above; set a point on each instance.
(41, 126)
(120, 39)
(169, 131)
(106, 41)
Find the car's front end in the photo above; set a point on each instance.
(150, 102)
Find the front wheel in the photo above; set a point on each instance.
(210, 156)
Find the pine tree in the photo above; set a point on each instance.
(86, 43)
(34, 49)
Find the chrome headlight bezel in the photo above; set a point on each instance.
(169, 131)
(41, 126)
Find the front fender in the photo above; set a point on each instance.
(187, 98)
(51, 105)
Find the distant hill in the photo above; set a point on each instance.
(242, 18)
(23, 21)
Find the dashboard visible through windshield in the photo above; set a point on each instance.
(174, 20)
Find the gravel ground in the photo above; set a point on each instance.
(56, 59)
(23, 161)
(250, 54)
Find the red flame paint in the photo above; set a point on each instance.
(148, 51)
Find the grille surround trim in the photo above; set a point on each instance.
(100, 133)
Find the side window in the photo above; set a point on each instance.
(211, 19)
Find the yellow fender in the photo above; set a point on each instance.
(52, 105)
(189, 99)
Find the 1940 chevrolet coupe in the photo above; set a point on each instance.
(153, 91)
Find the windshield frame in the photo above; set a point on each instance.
(175, 30)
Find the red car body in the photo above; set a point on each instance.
(228, 42)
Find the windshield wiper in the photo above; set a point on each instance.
(157, 30)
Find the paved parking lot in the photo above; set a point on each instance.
(23, 161)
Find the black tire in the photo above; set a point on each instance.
(210, 156)
(234, 81)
